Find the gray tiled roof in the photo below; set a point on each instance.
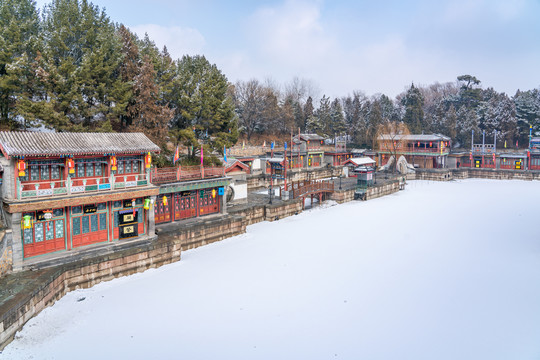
(37, 143)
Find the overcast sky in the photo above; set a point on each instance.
(342, 46)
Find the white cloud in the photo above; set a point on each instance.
(179, 41)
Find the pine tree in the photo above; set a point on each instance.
(323, 113)
(414, 113)
(338, 125)
(308, 112)
(201, 101)
(19, 47)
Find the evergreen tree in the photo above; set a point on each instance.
(200, 98)
(19, 48)
(324, 114)
(308, 112)
(527, 105)
(338, 125)
(84, 89)
(413, 103)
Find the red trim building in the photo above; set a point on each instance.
(63, 192)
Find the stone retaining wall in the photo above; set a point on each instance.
(467, 173)
(342, 196)
(276, 212)
(381, 190)
(203, 231)
(52, 284)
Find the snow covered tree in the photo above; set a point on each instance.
(337, 123)
(413, 103)
(527, 112)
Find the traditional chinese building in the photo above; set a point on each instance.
(66, 192)
(422, 151)
(339, 155)
(189, 191)
(534, 154)
(306, 151)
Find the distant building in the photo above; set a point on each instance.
(422, 151)
(306, 151)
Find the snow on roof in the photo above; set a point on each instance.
(360, 161)
(415, 137)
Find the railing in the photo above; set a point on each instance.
(414, 150)
(185, 173)
(306, 187)
(70, 186)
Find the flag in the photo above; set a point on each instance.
(176, 155)
(202, 156)
(224, 153)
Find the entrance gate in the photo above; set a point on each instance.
(162, 212)
(185, 205)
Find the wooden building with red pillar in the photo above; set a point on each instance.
(67, 192)
(189, 191)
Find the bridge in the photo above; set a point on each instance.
(309, 188)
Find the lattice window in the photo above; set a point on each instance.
(59, 227)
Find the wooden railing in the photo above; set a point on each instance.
(306, 187)
(185, 173)
(70, 186)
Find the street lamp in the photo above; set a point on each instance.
(340, 177)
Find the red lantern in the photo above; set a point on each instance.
(70, 163)
(114, 163)
(493, 157)
(148, 160)
(418, 144)
(21, 167)
(430, 144)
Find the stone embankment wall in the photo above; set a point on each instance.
(201, 231)
(467, 173)
(342, 196)
(53, 283)
(382, 190)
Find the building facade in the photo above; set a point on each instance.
(422, 151)
(63, 192)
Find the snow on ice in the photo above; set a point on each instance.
(438, 271)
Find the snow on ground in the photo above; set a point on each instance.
(438, 271)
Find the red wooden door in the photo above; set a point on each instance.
(208, 204)
(45, 237)
(162, 212)
(89, 229)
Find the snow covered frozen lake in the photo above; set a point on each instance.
(438, 271)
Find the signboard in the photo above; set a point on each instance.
(89, 209)
(128, 231)
(127, 203)
(221, 191)
(127, 217)
(40, 215)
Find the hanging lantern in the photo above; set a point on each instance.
(213, 193)
(27, 221)
(430, 144)
(146, 204)
(164, 200)
(70, 163)
(148, 160)
(493, 157)
(418, 145)
(113, 163)
(21, 167)
(47, 215)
